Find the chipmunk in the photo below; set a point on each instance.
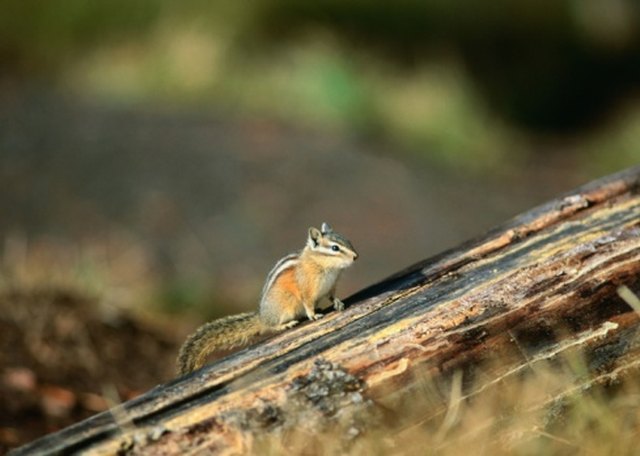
(297, 285)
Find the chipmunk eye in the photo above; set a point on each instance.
(335, 248)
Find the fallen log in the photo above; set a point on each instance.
(535, 289)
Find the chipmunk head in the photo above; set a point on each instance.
(336, 250)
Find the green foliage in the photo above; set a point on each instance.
(41, 34)
(179, 297)
(615, 147)
(447, 80)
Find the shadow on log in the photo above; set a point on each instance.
(540, 287)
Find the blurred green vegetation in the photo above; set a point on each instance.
(467, 84)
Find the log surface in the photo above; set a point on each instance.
(530, 290)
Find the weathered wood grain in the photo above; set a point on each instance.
(541, 286)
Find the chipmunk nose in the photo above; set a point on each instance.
(355, 256)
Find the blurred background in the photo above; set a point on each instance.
(158, 157)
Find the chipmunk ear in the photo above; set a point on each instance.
(325, 228)
(314, 237)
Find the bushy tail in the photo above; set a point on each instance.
(221, 334)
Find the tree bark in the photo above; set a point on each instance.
(534, 289)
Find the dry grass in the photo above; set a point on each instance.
(113, 270)
(553, 407)
(519, 417)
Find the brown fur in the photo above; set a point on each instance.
(297, 286)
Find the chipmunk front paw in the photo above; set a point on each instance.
(337, 304)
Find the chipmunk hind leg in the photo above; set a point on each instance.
(281, 310)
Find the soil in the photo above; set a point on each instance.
(62, 360)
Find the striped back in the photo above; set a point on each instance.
(283, 264)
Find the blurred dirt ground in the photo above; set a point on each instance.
(215, 199)
(62, 361)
